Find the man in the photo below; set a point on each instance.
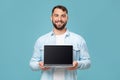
(60, 35)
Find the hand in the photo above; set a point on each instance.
(74, 67)
(41, 64)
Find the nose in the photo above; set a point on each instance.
(59, 18)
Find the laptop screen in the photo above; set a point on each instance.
(58, 55)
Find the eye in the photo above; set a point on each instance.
(63, 15)
(56, 15)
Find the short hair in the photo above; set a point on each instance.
(60, 7)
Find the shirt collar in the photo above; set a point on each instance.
(67, 33)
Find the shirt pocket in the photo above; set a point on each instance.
(41, 54)
(76, 54)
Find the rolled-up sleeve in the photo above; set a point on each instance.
(36, 58)
(84, 58)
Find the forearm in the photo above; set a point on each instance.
(34, 65)
(84, 64)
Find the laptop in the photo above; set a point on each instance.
(58, 55)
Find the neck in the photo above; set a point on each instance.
(59, 32)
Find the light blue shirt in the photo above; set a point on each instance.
(80, 54)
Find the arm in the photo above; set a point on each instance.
(83, 61)
(84, 58)
(36, 62)
(36, 58)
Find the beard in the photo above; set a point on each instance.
(59, 27)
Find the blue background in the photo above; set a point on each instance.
(23, 21)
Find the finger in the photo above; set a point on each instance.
(44, 68)
(70, 68)
(41, 64)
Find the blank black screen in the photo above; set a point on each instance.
(58, 54)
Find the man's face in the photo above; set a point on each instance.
(59, 19)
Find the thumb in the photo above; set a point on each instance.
(41, 63)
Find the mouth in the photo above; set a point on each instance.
(59, 24)
(59, 21)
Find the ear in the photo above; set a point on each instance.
(51, 18)
(67, 17)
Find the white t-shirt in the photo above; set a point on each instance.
(59, 73)
(60, 39)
